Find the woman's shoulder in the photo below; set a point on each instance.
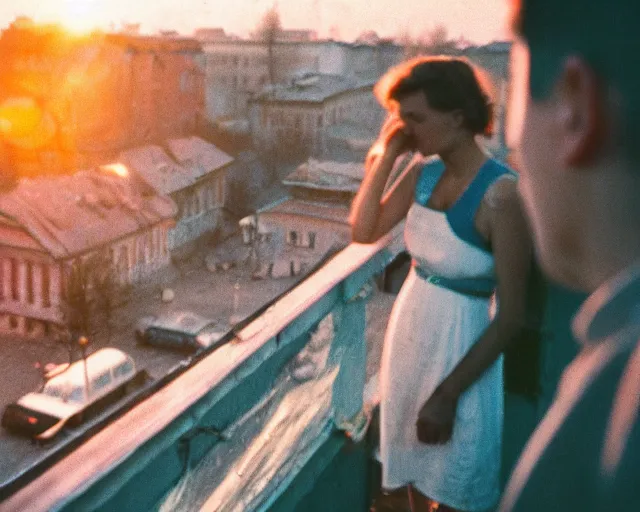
(499, 169)
(503, 191)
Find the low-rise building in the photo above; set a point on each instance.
(236, 70)
(51, 225)
(295, 233)
(292, 120)
(193, 173)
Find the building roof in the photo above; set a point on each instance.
(196, 151)
(356, 136)
(314, 88)
(192, 159)
(328, 175)
(154, 43)
(72, 214)
(207, 34)
(309, 209)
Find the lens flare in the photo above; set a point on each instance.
(117, 168)
(80, 16)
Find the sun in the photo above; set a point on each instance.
(81, 16)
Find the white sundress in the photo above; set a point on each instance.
(430, 329)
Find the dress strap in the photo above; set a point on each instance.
(427, 180)
(462, 215)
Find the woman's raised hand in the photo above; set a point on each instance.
(393, 139)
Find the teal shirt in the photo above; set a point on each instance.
(585, 454)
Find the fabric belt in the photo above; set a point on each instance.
(483, 288)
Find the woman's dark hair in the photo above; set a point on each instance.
(448, 83)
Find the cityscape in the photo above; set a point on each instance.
(163, 197)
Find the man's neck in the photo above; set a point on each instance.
(611, 227)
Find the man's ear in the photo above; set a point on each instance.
(457, 117)
(580, 112)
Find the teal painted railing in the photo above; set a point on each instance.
(135, 461)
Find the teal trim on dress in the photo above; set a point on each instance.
(461, 214)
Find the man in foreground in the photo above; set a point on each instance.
(575, 74)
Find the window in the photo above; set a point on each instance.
(102, 381)
(220, 191)
(53, 391)
(149, 249)
(123, 261)
(31, 325)
(3, 278)
(76, 395)
(30, 294)
(15, 284)
(292, 238)
(196, 201)
(312, 240)
(13, 322)
(185, 81)
(122, 370)
(46, 286)
(140, 244)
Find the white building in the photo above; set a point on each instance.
(192, 172)
(49, 224)
(297, 119)
(238, 69)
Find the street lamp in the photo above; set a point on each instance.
(83, 342)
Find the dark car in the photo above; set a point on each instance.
(183, 331)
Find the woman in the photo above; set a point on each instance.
(441, 379)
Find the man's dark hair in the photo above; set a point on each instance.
(448, 84)
(606, 34)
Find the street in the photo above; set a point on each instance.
(211, 294)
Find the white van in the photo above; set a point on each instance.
(66, 399)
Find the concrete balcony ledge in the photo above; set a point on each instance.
(133, 463)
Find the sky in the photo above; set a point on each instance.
(479, 21)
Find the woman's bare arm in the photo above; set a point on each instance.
(374, 212)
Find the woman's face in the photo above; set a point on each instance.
(433, 132)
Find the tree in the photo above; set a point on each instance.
(91, 293)
(436, 41)
(432, 42)
(267, 31)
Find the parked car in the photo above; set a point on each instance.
(184, 331)
(66, 399)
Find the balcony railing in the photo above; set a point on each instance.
(149, 456)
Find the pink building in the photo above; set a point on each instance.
(49, 224)
(99, 94)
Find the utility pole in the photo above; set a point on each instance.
(83, 341)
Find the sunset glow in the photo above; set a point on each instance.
(476, 21)
(19, 117)
(117, 168)
(81, 16)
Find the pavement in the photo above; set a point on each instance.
(225, 296)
